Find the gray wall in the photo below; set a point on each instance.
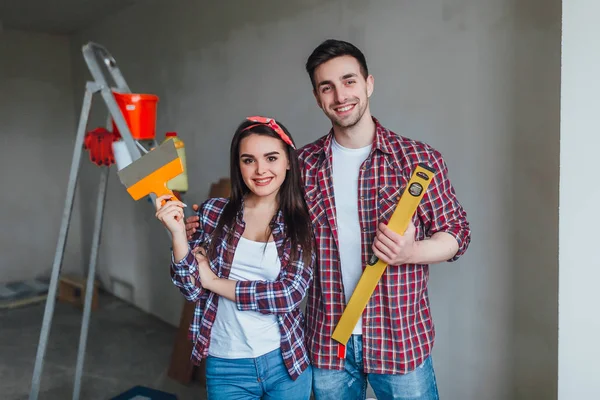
(478, 80)
(533, 192)
(37, 127)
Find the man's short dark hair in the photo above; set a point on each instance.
(332, 48)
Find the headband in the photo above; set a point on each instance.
(270, 122)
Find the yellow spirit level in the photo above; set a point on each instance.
(407, 205)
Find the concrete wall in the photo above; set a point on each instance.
(37, 128)
(535, 121)
(579, 325)
(478, 80)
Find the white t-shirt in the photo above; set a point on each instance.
(247, 334)
(346, 166)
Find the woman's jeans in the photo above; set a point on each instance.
(264, 377)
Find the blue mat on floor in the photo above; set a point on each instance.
(144, 393)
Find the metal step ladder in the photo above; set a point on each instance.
(93, 54)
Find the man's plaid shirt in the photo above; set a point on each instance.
(398, 331)
(281, 297)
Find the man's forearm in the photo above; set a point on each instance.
(439, 248)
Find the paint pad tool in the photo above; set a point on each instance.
(151, 172)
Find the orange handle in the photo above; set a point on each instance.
(164, 191)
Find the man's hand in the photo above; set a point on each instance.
(191, 223)
(393, 248)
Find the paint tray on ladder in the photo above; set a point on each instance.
(151, 172)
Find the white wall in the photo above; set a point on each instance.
(476, 79)
(579, 325)
(37, 128)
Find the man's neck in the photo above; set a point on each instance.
(357, 136)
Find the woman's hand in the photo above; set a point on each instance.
(170, 214)
(207, 276)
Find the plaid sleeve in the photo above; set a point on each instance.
(187, 268)
(442, 210)
(181, 274)
(280, 296)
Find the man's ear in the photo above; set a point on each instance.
(370, 85)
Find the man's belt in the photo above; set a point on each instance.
(407, 205)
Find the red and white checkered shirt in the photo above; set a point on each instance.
(281, 297)
(398, 331)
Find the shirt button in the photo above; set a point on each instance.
(364, 229)
(362, 197)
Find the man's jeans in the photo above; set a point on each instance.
(351, 383)
(264, 377)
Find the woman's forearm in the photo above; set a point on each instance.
(180, 246)
(222, 287)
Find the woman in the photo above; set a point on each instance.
(248, 268)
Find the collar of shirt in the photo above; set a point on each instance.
(381, 142)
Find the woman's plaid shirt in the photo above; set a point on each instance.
(398, 331)
(281, 297)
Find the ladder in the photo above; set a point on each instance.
(92, 53)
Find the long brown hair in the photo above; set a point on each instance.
(298, 227)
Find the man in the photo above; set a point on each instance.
(353, 179)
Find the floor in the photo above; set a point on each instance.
(126, 347)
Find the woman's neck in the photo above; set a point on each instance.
(258, 213)
(262, 203)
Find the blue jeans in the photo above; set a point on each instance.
(351, 383)
(264, 377)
